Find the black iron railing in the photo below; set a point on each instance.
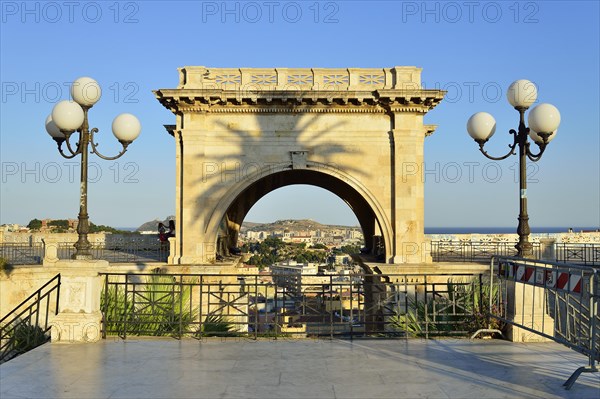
(481, 252)
(122, 251)
(467, 251)
(254, 305)
(148, 250)
(22, 253)
(584, 254)
(28, 325)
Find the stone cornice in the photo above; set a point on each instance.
(170, 129)
(298, 101)
(429, 129)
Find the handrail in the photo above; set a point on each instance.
(57, 277)
(18, 253)
(482, 251)
(122, 251)
(25, 327)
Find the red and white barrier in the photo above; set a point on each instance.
(560, 280)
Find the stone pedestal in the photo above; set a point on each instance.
(70, 327)
(50, 251)
(526, 307)
(79, 318)
(547, 251)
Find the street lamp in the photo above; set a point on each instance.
(70, 116)
(543, 124)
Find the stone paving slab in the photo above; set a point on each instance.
(238, 368)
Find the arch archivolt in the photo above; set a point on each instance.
(218, 213)
(238, 190)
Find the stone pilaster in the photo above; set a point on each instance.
(527, 307)
(408, 197)
(173, 251)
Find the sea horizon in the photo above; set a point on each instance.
(505, 230)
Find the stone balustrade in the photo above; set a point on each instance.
(294, 79)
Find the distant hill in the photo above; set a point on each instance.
(290, 224)
(153, 224)
(286, 224)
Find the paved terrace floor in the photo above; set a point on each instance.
(214, 368)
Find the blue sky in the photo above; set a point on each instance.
(472, 49)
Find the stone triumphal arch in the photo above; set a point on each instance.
(241, 133)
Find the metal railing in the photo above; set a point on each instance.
(22, 253)
(121, 252)
(481, 252)
(585, 254)
(467, 251)
(359, 305)
(27, 326)
(553, 300)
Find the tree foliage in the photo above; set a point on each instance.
(34, 224)
(62, 226)
(350, 249)
(59, 223)
(107, 229)
(273, 250)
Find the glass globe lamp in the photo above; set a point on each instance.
(481, 126)
(85, 91)
(67, 115)
(126, 127)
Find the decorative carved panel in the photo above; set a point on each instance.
(371, 79)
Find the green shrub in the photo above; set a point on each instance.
(434, 318)
(21, 337)
(481, 294)
(440, 318)
(27, 336)
(160, 307)
(117, 310)
(216, 325)
(5, 266)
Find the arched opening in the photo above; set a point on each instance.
(303, 214)
(366, 214)
(302, 202)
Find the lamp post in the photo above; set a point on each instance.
(543, 124)
(72, 116)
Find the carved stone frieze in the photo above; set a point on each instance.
(287, 90)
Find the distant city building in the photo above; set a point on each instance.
(331, 236)
(46, 224)
(342, 259)
(290, 274)
(256, 235)
(248, 269)
(13, 227)
(300, 239)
